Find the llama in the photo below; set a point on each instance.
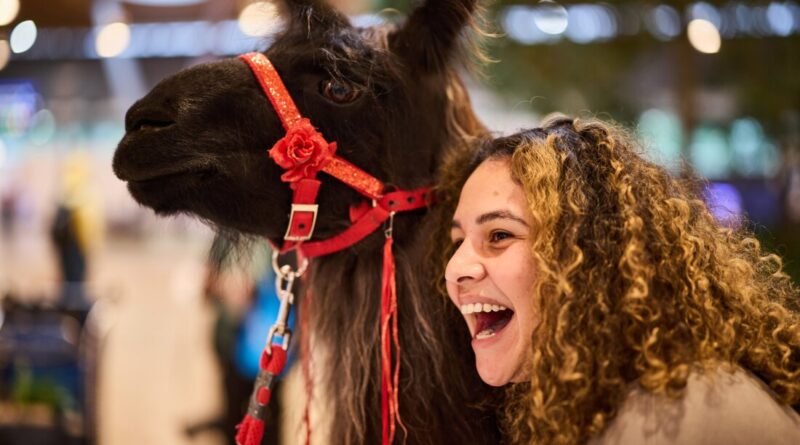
(390, 98)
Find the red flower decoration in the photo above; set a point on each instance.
(302, 152)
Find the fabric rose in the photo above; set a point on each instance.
(302, 152)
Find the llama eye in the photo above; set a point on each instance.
(338, 91)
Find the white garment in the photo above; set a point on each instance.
(718, 408)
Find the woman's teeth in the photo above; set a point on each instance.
(486, 333)
(481, 307)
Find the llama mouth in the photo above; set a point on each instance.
(169, 193)
(168, 177)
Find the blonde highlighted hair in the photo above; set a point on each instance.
(637, 283)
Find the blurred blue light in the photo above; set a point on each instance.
(519, 24)
(588, 23)
(780, 19)
(725, 203)
(367, 20)
(744, 19)
(42, 127)
(761, 26)
(705, 11)
(709, 153)
(19, 101)
(752, 153)
(728, 29)
(663, 136)
(664, 22)
(550, 17)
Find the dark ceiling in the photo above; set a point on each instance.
(77, 13)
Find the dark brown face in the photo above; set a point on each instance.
(198, 142)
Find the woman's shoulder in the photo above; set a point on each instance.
(718, 407)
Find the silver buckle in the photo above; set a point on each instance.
(301, 208)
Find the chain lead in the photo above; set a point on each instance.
(284, 280)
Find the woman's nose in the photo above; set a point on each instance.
(464, 266)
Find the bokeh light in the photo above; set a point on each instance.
(753, 155)
(8, 11)
(23, 36)
(519, 23)
(780, 19)
(725, 203)
(43, 127)
(704, 36)
(663, 135)
(709, 152)
(2, 153)
(664, 22)
(551, 17)
(259, 19)
(112, 39)
(5, 53)
(705, 11)
(589, 23)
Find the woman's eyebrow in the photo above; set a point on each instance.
(499, 214)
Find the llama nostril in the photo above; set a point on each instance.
(146, 117)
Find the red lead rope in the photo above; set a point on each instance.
(251, 429)
(302, 153)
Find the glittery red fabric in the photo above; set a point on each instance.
(273, 87)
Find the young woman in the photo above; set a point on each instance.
(603, 294)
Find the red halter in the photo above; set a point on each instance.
(303, 152)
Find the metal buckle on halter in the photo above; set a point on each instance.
(298, 208)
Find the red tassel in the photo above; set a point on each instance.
(251, 429)
(390, 373)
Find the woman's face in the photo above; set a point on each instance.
(491, 274)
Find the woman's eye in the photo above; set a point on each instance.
(339, 91)
(498, 236)
(457, 243)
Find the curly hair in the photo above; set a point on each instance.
(637, 283)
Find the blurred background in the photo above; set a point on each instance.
(118, 328)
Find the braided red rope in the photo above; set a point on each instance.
(251, 429)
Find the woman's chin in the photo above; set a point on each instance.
(492, 378)
(498, 358)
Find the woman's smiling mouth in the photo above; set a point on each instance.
(486, 319)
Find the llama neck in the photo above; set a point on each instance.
(435, 368)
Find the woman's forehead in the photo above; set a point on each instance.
(490, 188)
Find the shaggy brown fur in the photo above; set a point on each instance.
(197, 144)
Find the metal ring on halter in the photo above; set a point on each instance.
(285, 334)
(285, 269)
(389, 227)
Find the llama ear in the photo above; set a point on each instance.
(312, 13)
(432, 32)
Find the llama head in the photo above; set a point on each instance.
(197, 143)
